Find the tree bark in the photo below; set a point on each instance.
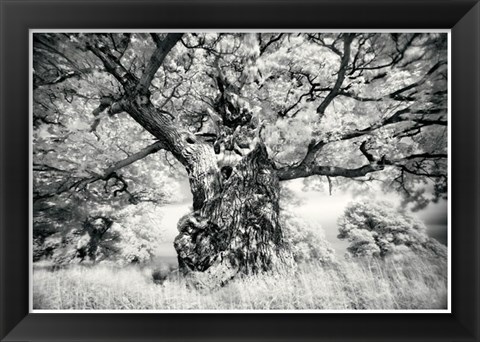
(236, 231)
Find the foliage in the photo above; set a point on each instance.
(306, 242)
(140, 233)
(325, 99)
(128, 235)
(380, 229)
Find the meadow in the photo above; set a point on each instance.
(355, 284)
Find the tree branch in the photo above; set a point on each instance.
(368, 155)
(303, 170)
(60, 78)
(395, 95)
(315, 146)
(39, 40)
(163, 48)
(153, 148)
(114, 67)
(263, 48)
(114, 107)
(80, 184)
(347, 41)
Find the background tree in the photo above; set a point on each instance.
(379, 229)
(73, 231)
(239, 113)
(306, 242)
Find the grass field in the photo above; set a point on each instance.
(411, 283)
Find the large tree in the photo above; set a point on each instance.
(240, 113)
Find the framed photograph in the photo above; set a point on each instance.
(175, 170)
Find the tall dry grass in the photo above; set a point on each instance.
(409, 283)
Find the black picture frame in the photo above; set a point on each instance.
(17, 17)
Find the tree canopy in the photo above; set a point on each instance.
(333, 105)
(379, 229)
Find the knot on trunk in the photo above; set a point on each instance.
(199, 242)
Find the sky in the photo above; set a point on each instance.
(318, 208)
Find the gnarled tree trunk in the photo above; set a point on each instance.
(234, 228)
(237, 230)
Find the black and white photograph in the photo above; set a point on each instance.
(240, 171)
